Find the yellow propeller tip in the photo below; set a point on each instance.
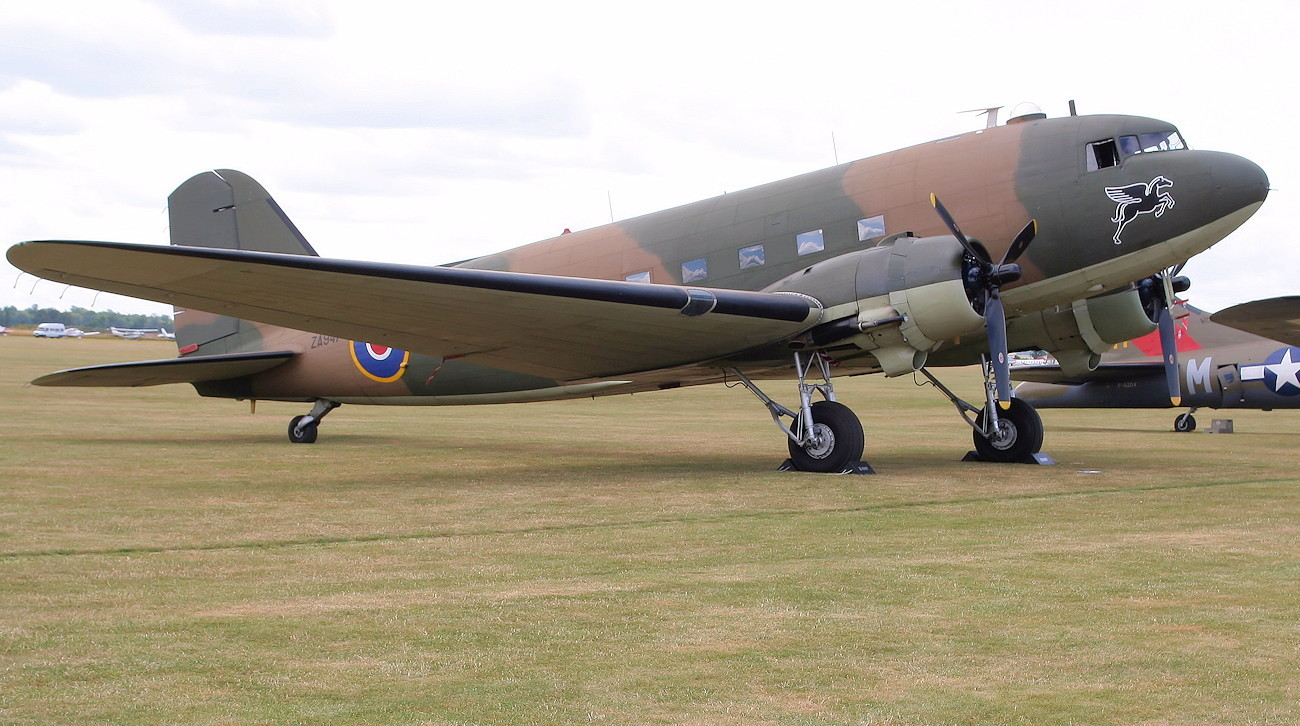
(1176, 400)
(1004, 405)
(933, 199)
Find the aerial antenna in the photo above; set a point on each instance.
(991, 113)
(609, 197)
(835, 149)
(1073, 111)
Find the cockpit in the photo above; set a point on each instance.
(1112, 152)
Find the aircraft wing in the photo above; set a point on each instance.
(171, 370)
(1277, 318)
(562, 328)
(1104, 372)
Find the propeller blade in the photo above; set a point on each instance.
(1021, 241)
(956, 232)
(1169, 351)
(996, 321)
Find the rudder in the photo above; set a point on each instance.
(227, 209)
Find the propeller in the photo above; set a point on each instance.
(1159, 293)
(984, 280)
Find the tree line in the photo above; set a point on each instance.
(83, 318)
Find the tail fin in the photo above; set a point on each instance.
(229, 210)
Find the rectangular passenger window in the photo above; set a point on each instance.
(1102, 154)
(806, 243)
(638, 277)
(871, 228)
(752, 256)
(695, 270)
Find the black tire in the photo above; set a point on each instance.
(1020, 434)
(306, 436)
(1185, 423)
(840, 444)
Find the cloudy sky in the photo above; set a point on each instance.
(427, 132)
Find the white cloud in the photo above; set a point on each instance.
(420, 131)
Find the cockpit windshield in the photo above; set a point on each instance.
(1146, 143)
(1111, 152)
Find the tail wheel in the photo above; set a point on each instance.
(304, 435)
(834, 444)
(1019, 434)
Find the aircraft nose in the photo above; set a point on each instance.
(1238, 181)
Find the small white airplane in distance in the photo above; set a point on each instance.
(132, 333)
(166, 335)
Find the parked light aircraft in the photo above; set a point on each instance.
(131, 333)
(1242, 357)
(859, 268)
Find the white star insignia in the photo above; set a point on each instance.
(1286, 370)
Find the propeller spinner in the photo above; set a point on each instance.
(984, 280)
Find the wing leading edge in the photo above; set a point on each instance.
(560, 327)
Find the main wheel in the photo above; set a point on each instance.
(836, 441)
(1019, 434)
(306, 436)
(1184, 423)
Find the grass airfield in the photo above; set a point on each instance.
(631, 560)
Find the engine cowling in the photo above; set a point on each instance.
(898, 300)
(1077, 334)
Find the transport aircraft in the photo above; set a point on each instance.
(1242, 357)
(1045, 229)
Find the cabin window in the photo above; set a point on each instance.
(1102, 154)
(752, 256)
(807, 243)
(638, 277)
(871, 228)
(695, 270)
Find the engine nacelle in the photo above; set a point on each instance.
(898, 300)
(1077, 334)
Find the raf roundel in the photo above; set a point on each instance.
(379, 363)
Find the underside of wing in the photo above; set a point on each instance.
(1104, 372)
(1277, 318)
(562, 328)
(194, 369)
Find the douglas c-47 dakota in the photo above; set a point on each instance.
(1036, 234)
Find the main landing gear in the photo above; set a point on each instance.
(825, 436)
(302, 429)
(1013, 435)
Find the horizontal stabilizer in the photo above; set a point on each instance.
(195, 369)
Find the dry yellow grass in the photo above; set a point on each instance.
(630, 560)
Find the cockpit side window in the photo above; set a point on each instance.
(1102, 154)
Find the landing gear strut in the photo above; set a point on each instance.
(825, 436)
(1013, 435)
(302, 429)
